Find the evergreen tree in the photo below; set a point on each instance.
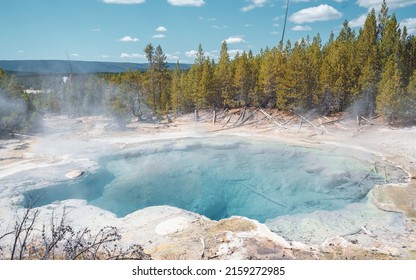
(270, 68)
(150, 53)
(314, 64)
(206, 86)
(242, 80)
(411, 49)
(383, 17)
(391, 91)
(161, 80)
(368, 63)
(407, 111)
(223, 77)
(200, 57)
(176, 91)
(404, 57)
(390, 40)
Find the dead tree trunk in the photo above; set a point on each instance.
(271, 119)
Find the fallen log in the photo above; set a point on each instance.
(229, 118)
(306, 120)
(271, 119)
(242, 113)
(367, 120)
(249, 117)
(333, 122)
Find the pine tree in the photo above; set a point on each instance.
(162, 78)
(368, 63)
(242, 79)
(200, 57)
(223, 77)
(391, 91)
(205, 88)
(2, 74)
(390, 40)
(150, 52)
(295, 77)
(409, 102)
(176, 91)
(411, 88)
(314, 64)
(411, 48)
(254, 66)
(383, 17)
(404, 56)
(270, 69)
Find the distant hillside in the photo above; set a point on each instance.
(78, 67)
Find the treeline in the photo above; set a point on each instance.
(372, 72)
(18, 110)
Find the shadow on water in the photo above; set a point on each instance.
(88, 187)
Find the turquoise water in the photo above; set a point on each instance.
(222, 177)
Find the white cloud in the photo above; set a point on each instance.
(376, 4)
(275, 25)
(233, 53)
(301, 28)
(172, 57)
(207, 19)
(74, 54)
(340, 1)
(105, 56)
(161, 29)
(132, 55)
(235, 39)
(358, 22)
(124, 1)
(274, 33)
(211, 55)
(248, 25)
(159, 36)
(191, 3)
(191, 53)
(219, 26)
(276, 19)
(96, 30)
(20, 51)
(254, 4)
(410, 24)
(128, 39)
(322, 12)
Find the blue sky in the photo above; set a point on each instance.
(119, 30)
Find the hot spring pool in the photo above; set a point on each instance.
(221, 177)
